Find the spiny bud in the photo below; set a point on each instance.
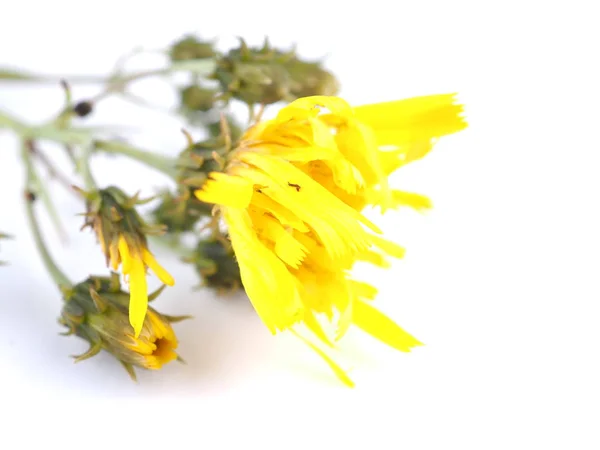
(201, 158)
(97, 311)
(234, 129)
(190, 47)
(180, 212)
(112, 216)
(215, 262)
(196, 98)
(254, 76)
(309, 78)
(122, 236)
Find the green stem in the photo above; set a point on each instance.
(8, 121)
(57, 275)
(164, 164)
(84, 169)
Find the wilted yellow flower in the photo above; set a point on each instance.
(97, 311)
(122, 236)
(292, 193)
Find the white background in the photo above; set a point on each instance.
(500, 279)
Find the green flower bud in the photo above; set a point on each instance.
(234, 129)
(215, 262)
(254, 75)
(112, 215)
(180, 213)
(97, 310)
(190, 47)
(309, 78)
(196, 98)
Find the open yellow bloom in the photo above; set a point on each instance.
(292, 195)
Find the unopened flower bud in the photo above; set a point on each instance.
(215, 262)
(122, 236)
(190, 47)
(309, 78)
(254, 76)
(97, 311)
(180, 212)
(196, 98)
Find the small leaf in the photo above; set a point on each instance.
(176, 319)
(92, 351)
(130, 370)
(99, 302)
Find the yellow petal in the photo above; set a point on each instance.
(158, 270)
(226, 190)
(268, 284)
(415, 118)
(115, 259)
(415, 201)
(313, 325)
(335, 105)
(373, 257)
(336, 223)
(340, 373)
(125, 256)
(391, 248)
(378, 325)
(363, 290)
(138, 295)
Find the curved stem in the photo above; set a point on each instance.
(164, 164)
(57, 275)
(83, 167)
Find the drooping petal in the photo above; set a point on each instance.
(380, 326)
(414, 118)
(138, 295)
(158, 270)
(268, 283)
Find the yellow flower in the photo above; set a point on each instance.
(122, 236)
(292, 193)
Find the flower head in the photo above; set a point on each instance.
(122, 236)
(97, 311)
(292, 194)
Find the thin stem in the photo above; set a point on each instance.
(8, 121)
(57, 275)
(53, 171)
(83, 167)
(164, 164)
